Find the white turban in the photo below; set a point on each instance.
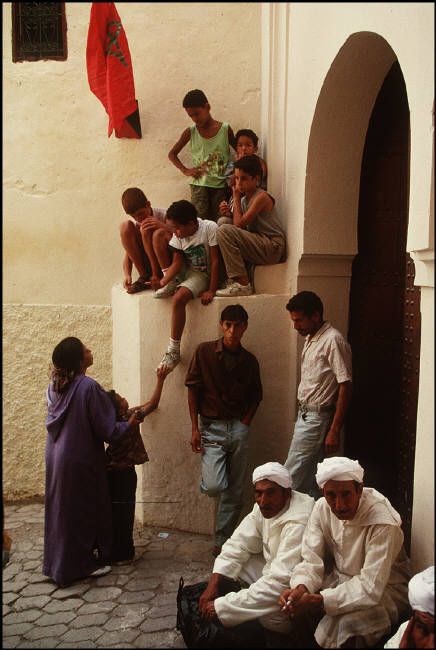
(338, 468)
(421, 591)
(273, 472)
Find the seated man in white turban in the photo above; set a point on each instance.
(354, 572)
(261, 554)
(418, 631)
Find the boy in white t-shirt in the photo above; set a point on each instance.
(196, 260)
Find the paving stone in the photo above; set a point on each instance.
(39, 589)
(26, 616)
(45, 632)
(167, 610)
(121, 580)
(38, 602)
(16, 587)
(67, 605)
(45, 642)
(155, 624)
(34, 555)
(139, 583)
(14, 524)
(117, 639)
(137, 608)
(135, 597)
(96, 608)
(153, 641)
(11, 641)
(11, 570)
(38, 576)
(74, 590)
(24, 546)
(57, 618)
(97, 594)
(132, 619)
(33, 564)
(19, 628)
(86, 620)
(158, 555)
(78, 644)
(108, 581)
(8, 598)
(166, 598)
(84, 634)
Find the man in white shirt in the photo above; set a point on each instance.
(354, 572)
(324, 391)
(261, 553)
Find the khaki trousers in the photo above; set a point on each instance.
(239, 246)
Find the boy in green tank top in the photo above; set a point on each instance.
(210, 142)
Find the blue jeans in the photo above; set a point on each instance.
(307, 449)
(223, 466)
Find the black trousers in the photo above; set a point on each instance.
(122, 487)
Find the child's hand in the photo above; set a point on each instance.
(207, 297)
(127, 281)
(155, 282)
(224, 209)
(162, 372)
(196, 172)
(150, 223)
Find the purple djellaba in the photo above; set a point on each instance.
(77, 539)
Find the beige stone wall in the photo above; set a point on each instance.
(30, 333)
(63, 177)
(63, 180)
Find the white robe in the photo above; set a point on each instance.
(278, 542)
(365, 593)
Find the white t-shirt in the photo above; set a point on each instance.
(196, 246)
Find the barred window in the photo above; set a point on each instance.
(39, 31)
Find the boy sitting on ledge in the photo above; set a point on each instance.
(256, 235)
(196, 260)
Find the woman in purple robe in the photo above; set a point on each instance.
(77, 535)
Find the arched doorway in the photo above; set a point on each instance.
(365, 75)
(384, 322)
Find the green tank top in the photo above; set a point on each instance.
(212, 154)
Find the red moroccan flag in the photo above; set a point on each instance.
(110, 73)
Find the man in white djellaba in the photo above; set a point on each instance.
(354, 572)
(260, 555)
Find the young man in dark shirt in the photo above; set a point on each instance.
(224, 391)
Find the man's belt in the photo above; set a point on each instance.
(307, 407)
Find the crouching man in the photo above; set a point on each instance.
(354, 573)
(260, 555)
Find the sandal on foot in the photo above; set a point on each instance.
(139, 285)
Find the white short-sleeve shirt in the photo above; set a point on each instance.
(325, 363)
(196, 246)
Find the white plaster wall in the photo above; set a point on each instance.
(169, 491)
(293, 74)
(63, 177)
(30, 332)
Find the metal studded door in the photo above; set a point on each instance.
(384, 309)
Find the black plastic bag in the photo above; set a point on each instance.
(199, 632)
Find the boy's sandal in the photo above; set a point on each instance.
(139, 285)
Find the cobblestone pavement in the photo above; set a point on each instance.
(133, 606)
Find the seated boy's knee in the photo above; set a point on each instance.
(224, 231)
(127, 230)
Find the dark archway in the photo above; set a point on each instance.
(384, 324)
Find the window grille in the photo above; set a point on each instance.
(39, 31)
